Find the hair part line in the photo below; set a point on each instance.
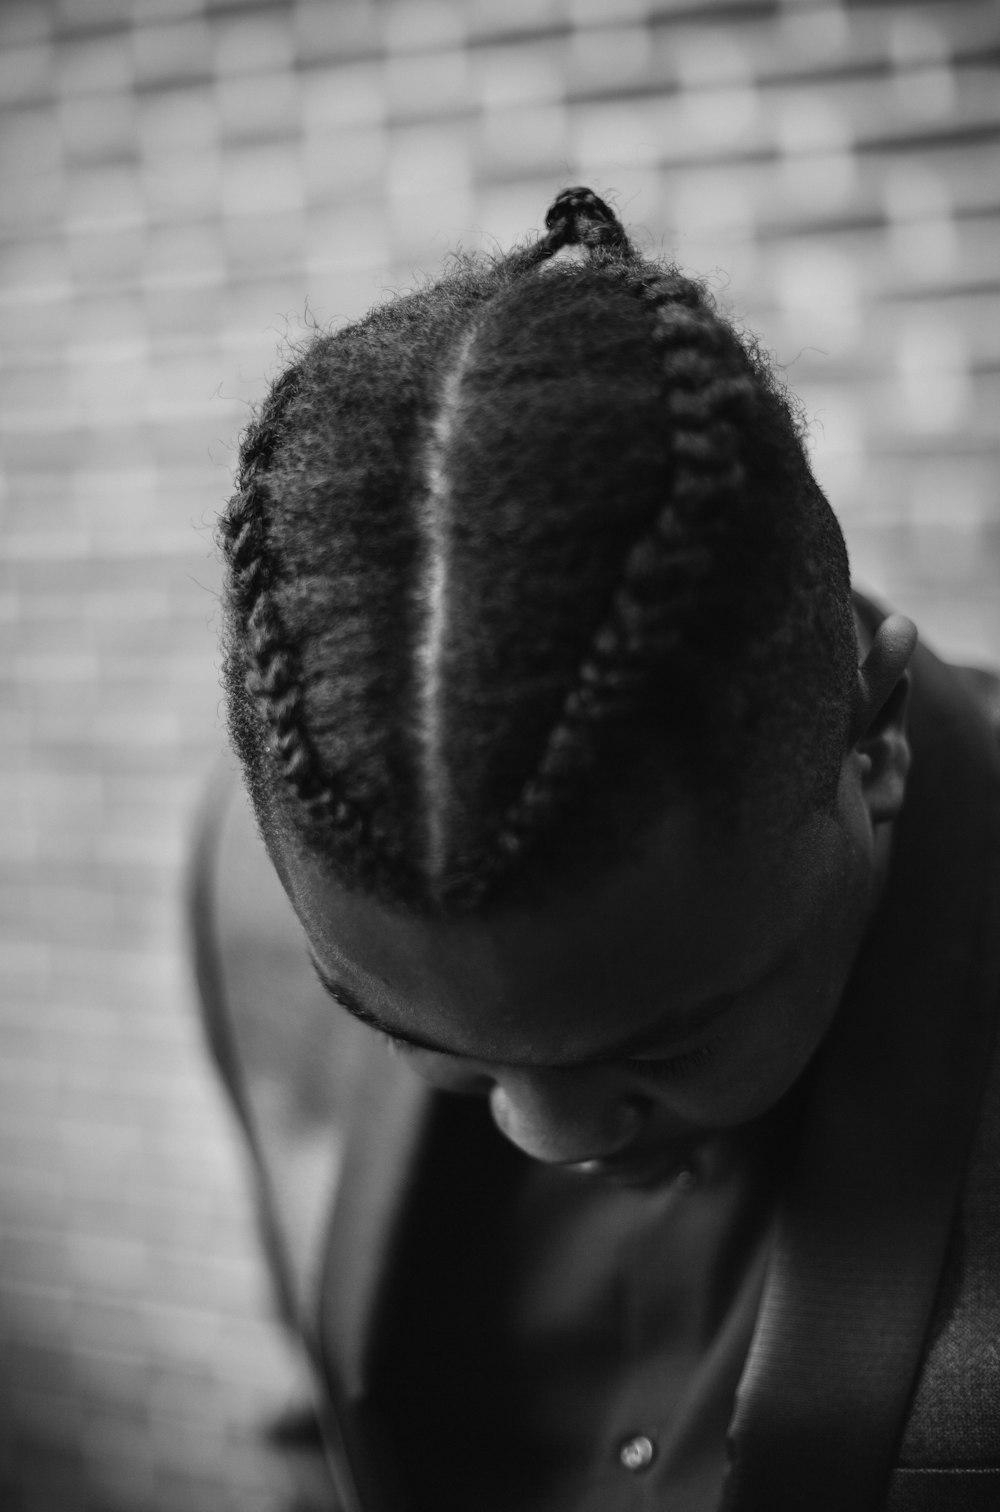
(435, 522)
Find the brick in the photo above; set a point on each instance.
(102, 254)
(429, 85)
(176, 120)
(252, 107)
(36, 1256)
(487, 20)
(95, 65)
(339, 166)
(182, 185)
(506, 77)
(25, 74)
(171, 50)
(48, 1423)
(349, 29)
(250, 43)
(80, 16)
(30, 142)
(96, 127)
(39, 1368)
(416, 26)
(609, 57)
(24, 22)
(262, 180)
(340, 96)
(531, 137)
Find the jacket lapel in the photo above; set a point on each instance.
(387, 1138)
(865, 1219)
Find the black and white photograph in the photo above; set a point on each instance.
(500, 760)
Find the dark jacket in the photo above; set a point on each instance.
(873, 1381)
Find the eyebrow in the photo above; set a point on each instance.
(645, 1039)
(344, 998)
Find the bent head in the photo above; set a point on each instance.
(680, 991)
(542, 668)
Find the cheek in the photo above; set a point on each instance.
(741, 1085)
(774, 1058)
(761, 1059)
(770, 1051)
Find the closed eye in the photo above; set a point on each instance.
(652, 1066)
(671, 1066)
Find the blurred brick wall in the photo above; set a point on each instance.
(179, 184)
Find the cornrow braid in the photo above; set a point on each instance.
(708, 393)
(518, 558)
(267, 659)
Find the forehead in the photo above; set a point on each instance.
(656, 938)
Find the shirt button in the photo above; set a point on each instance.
(636, 1453)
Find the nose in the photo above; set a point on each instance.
(565, 1116)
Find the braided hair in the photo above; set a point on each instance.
(520, 556)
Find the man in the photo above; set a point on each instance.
(591, 791)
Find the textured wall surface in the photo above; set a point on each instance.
(184, 188)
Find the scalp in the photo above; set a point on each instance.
(521, 551)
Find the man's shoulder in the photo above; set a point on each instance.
(951, 1421)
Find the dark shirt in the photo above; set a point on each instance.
(629, 1318)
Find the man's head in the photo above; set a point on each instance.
(542, 666)
(520, 558)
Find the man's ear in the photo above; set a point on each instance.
(878, 727)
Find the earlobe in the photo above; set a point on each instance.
(879, 724)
